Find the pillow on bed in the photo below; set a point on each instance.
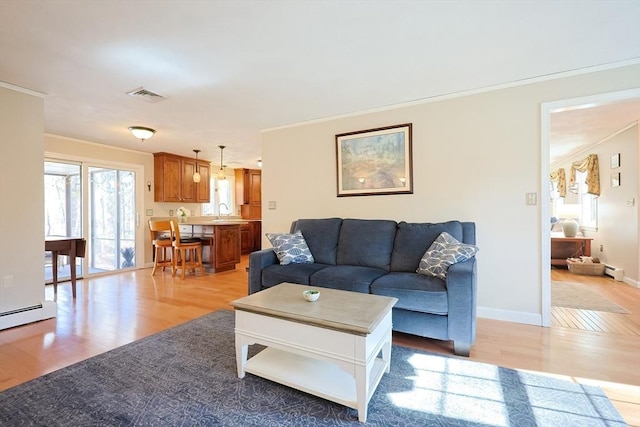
(443, 252)
(290, 248)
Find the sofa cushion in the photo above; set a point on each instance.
(446, 250)
(366, 242)
(413, 239)
(291, 248)
(292, 273)
(346, 277)
(416, 292)
(321, 236)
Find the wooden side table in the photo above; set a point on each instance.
(569, 247)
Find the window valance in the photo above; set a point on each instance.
(560, 177)
(590, 166)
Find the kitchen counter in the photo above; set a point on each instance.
(220, 236)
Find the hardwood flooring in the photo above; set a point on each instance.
(110, 311)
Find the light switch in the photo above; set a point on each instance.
(532, 199)
(272, 205)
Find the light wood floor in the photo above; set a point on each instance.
(114, 310)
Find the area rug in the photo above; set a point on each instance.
(186, 376)
(576, 295)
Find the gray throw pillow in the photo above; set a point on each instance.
(443, 252)
(290, 248)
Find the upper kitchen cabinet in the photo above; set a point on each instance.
(249, 192)
(173, 179)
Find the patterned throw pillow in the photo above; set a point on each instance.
(290, 248)
(443, 252)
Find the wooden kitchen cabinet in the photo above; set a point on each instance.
(173, 179)
(227, 244)
(251, 237)
(249, 192)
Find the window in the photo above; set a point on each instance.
(577, 204)
(221, 200)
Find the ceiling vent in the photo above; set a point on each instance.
(146, 95)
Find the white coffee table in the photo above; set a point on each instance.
(336, 348)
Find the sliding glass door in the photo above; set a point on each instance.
(94, 202)
(62, 212)
(112, 217)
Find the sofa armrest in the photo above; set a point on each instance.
(258, 261)
(461, 294)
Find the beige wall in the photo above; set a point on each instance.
(22, 195)
(475, 157)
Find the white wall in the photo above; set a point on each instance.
(475, 157)
(617, 221)
(22, 213)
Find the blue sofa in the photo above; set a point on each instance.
(381, 257)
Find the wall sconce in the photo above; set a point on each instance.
(196, 175)
(141, 132)
(149, 185)
(259, 163)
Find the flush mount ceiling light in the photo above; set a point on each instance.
(221, 174)
(141, 132)
(196, 175)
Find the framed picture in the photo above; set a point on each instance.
(615, 179)
(615, 161)
(375, 161)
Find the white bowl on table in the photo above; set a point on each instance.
(311, 295)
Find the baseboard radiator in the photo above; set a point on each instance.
(615, 272)
(28, 314)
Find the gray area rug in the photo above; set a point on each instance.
(186, 376)
(577, 295)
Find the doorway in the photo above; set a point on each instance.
(548, 110)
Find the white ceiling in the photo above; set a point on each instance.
(232, 68)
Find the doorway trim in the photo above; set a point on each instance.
(546, 109)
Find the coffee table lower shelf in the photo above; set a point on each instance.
(313, 376)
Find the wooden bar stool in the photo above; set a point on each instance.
(162, 238)
(188, 251)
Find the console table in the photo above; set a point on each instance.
(569, 247)
(72, 247)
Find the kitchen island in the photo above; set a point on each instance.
(220, 240)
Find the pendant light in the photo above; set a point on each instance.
(141, 132)
(196, 175)
(221, 174)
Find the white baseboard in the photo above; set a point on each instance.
(47, 311)
(510, 316)
(631, 282)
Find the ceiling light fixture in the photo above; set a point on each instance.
(141, 132)
(221, 174)
(196, 175)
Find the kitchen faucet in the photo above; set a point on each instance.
(220, 209)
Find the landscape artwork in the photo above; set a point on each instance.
(375, 161)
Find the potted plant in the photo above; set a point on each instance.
(127, 254)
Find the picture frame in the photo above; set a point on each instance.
(615, 161)
(615, 179)
(375, 161)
